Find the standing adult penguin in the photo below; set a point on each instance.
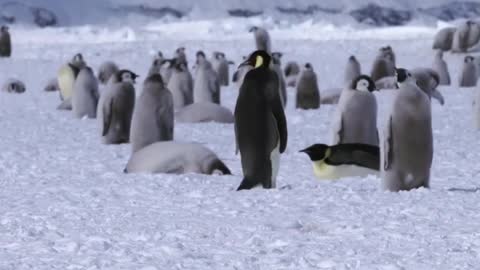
(262, 39)
(221, 66)
(440, 66)
(384, 64)
(206, 87)
(66, 79)
(116, 106)
(407, 148)
(260, 123)
(353, 70)
(5, 42)
(291, 71)
(85, 94)
(468, 78)
(444, 38)
(460, 38)
(152, 119)
(106, 70)
(356, 114)
(308, 95)
(277, 67)
(180, 85)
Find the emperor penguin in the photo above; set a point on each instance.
(343, 160)
(66, 79)
(440, 66)
(5, 42)
(444, 38)
(204, 112)
(181, 55)
(262, 39)
(428, 80)
(260, 123)
(355, 118)
(407, 148)
(116, 108)
(276, 65)
(240, 73)
(468, 78)
(291, 71)
(176, 158)
(353, 70)
(221, 66)
(206, 87)
(161, 66)
(152, 119)
(308, 95)
(460, 38)
(106, 70)
(85, 94)
(384, 64)
(473, 33)
(14, 86)
(180, 85)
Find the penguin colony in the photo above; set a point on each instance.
(402, 156)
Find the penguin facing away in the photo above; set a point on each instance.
(291, 71)
(152, 119)
(14, 86)
(206, 87)
(106, 70)
(355, 118)
(5, 42)
(407, 149)
(221, 66)
(260, 124)
(343, 160)
(176, 158)
(85, 94)
(353, 70)
(384, 64)
(468, 77)
(180, 85)
(262, 39)
(277, 67)
(444, 38)
(116, 108)
(440, 66)
(308, 95)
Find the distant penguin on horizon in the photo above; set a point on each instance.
(85, 94)
(262, 39)
(153, 115)
(308, 94)
(260, 124)
(5, 42)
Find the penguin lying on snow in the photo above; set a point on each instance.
(343, 160)
(14, 86)
(176, 158)
(204, 112)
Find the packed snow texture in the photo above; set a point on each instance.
(66, 204)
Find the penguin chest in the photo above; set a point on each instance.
(66, 79)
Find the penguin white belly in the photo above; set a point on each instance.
(275, 161)
(66, 79)
(324, 171)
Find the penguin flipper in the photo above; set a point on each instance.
(107, 117)
(438, 96)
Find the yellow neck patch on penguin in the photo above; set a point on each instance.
(323, 171)
(258, 61)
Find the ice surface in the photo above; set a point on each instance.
(65, 203)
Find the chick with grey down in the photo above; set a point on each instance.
(308, 95)
(206, 87)
(106, 70)
(85, 94)
(180, 84)
(440, 66)
(468, 77)
(153, 115)
(291, 71)
(352, 70)
(384, 64)
(221, 65)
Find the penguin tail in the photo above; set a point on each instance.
(247, 183)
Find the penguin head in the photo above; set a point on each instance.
(308, 66)
(258, 59)
(276, 58)
(363, 83)
(253, 29)
(126, 76)
(403, 75)
(77, 57)
(469, 59)
(352, 58)
(317, 152)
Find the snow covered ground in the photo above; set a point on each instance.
(65, 203)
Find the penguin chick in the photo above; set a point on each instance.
(468, 78)
(260, 123)
(277, 67)
(308, 95)
(14, 86)
(440, 66)
(291, 71)
(408, 142)
(206, 87)
(262, 39)
(180, 85)
(353, 70)
(85, 94)
(428, 81)
(343, 160)
(460, 38)
(355, 119)
(106, 70)
(473, 33)
(152, 119)
(444, 38)
(384, 65)
(5, 42)
(221, 66)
